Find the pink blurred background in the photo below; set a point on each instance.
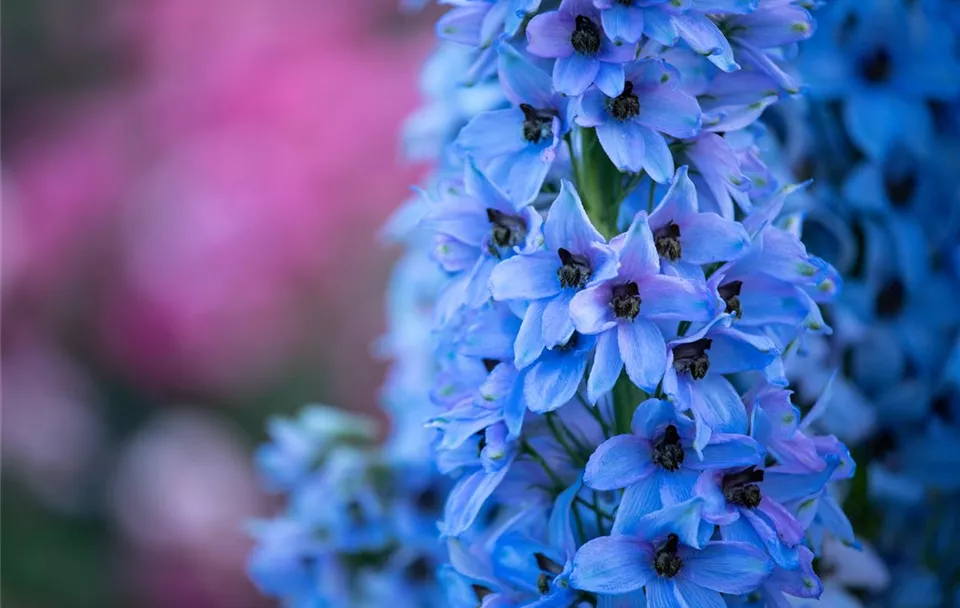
(191, 195)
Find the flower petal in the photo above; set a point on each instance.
(521, 80)
(526, 277)
(665, 298)
(639, 257)
(644, 352)
(493, 133)
(707, 238)
(567, 224)
(657, 160)
(552, 381)
(607, 366)
(548, 35)
(618, 462)
(574, 73)
(695, 596)
(557, 326)
(727, 567)
(622, 23)
(612, 564)
(529, 343)
(590, 310)
(623, 143)
(669, 110)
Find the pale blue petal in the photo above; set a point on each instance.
(622, 23)
(727, 567)
(552, 381)
(623, 142)
(644, 352)
(529, 342)
(526, 277)
(574, 73)
(607, 366)
(658, 160)
(639, 257)
(557, 326)
(610, 79)
(619, 462)
(567, 224)
(613, 564)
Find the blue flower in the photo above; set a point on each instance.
(631, 120)
(574, 36)
(516, 147)
(476, 227)
(657, 464)
(576, 257)
(624, 310)
(661, 553)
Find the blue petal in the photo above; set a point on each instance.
(727, 452)
(529, 342)
(522, 81)
(520, 175)
(707, 238)
(612, 564)
(590, 310)
(619, 462)
(638, 500)
(727, 567)
(467, 498)
(659, 26)
(639, 257)
(526, 277)
(658, 160)
(548, 35)
(669, 110)
(677, 486)
(696, 596)
(622, 23)
(552, 381)
(573, 74)
(561, 532)
(607, 366)
(666, 298)
(876, 120)
(644, 352)
(610, 79)
(592, 109)
(567, 224)
(705, 37)
(788, 486)
(556, 325)
(682, 519)
(623, 142)
(652, 416)
(735, 351)
(492, 134)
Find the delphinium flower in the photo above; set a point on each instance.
(620, 290)
(602, 382)
(879, 139)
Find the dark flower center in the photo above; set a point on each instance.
(490, 364)
(537, 125)
(890, 299)
(550, 569)
(506, 230)
(428, 500)
(876, 67)
(482, 443)
(741, 488)
(667, 240)
(574, 271)
(625, 105)
(730, 292)
(626, 301)
(586, 37)
(899, 188)
(666, 562)
(692, 358)
(668, 453)
(569, 344)
(418, 570)
(625, 2)
(480, 592)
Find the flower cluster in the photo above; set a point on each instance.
(616, 297)
(880, 135)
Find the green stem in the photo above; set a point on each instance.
(626, 397)
(599, 183)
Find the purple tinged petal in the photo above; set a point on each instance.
(574, 73)
(604, 263)
(567, 224)
(727, 567)
(679, 202)
(622, 23)
(453, 255)
(477, 290)
(548, 35)
(658, 160)
(694, 596)
(591, 311)
(669, 110)
(557, 326)
(727, 452)
(652, 416)
(624, 144)
(610, 79)
(611, 52)
(529, 342)
(552, 381)
(705, 38)
(467, 225)
(644, 352)
(665, 298)
(607, 366)
(716, 404)
(462, 24)
(707, 238)
(493, 133)
(521, 80)
(775, 26)
(613, 564)
(526, 277)
(789, 529)
(620, 461)
(593, 109)
(639, 257)
(787, 486)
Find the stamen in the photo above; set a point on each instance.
(667, 240)
(625, 105)
(586, 37)
(692, 358)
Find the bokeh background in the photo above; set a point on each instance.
(192, 192)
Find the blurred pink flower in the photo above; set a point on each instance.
(52, 431)
(182, 492)
(254, 154)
